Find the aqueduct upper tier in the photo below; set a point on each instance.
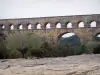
(53, 27)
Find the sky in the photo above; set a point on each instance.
(44, 8)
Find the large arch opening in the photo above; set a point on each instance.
(69, 39)
(70, 44)
(96, 49)
(97, 37)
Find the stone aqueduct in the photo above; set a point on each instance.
(85, 33)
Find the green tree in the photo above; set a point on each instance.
(23, 42)
(91, 45)
(3, 50)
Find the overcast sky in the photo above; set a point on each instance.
(43, 8)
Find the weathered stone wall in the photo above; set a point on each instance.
(85, 34)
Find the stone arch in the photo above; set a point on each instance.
(38, 26)
(59, 36)
(48, 25)
(11, 27)
(69, 25)
(81, 24)
(29, 26)
(97, 33)
(20, 26)
(3, 26)
(58, 25)
(63, 34)
(93, 23)
(96, 36)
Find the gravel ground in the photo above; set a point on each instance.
(72, 65)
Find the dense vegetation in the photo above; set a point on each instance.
(29, 45)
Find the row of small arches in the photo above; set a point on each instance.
(48, 26)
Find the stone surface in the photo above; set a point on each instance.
(85, 34)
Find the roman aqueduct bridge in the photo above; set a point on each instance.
(47, 26)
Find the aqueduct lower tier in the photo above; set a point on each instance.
(85, 33)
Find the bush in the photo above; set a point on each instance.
(36, 53)
(96, 50)
(84, 49)
(47, 49)
(3, 50)
(91, 45)
(62, 50)
(14, 54)
(80, 49)
(22, 43)
(52, 50)
(44, 51)
(30, 45)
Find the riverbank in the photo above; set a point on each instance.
(71, 65)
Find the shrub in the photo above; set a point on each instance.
(39, 53)
(96, 50)
(91, 45)
(84, 49)
(44, 51)
(28, 44)
(14, 54)
(23, 43)
(63, 50)
(78, 49)
(47, 49)
(3, 50)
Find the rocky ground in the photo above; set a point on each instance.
(72, 65)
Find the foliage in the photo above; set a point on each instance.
(65, 50)
(3, 50)
(26, 44)
(39, 53)
(97, 50)
(14, 54)
(84, 49)
(79, 49)
(91, 45)
(23, 42)
(52, 50)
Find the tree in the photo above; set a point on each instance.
(91, 45)
(3, 50)
(23, 42)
